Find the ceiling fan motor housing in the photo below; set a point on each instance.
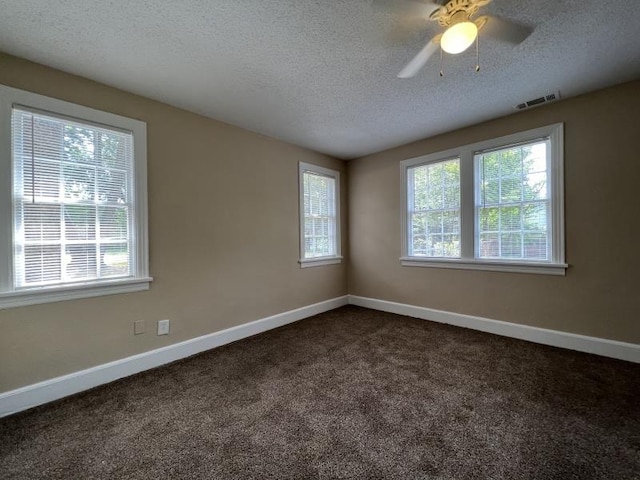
(456, 11)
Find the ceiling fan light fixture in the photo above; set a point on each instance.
(459, 37)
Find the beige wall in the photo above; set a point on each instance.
(223, 227)
(599, 295)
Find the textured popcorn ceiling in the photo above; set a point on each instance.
(322, 73)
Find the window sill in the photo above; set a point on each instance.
(316, 262)
(492, 266)
(34, 296)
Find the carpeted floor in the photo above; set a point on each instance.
(351, 393)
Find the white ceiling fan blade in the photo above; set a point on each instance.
(420, 59)
(506, 31)
(406, 7)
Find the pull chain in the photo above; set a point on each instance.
(33, 161)
(477, 57)
(477, 54)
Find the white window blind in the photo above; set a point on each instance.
(434, 209)
(73, 200)
(319, 197)
(319, 215)
(513, 204)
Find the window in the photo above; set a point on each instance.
(74, 182)
(494, 205)
(434, 209)
(319, 216)
(512, 203)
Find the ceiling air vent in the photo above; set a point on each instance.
(552, 97)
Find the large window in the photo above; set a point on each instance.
(74, 182)
(494, 205)
(319, 215)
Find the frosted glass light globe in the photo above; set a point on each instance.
(459, 37)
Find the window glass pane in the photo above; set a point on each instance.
(491, 192)
(78, 144)
(40, 179)
(79, 182)
(41, 222)
(535, 186)
(434, 209)
(510, 162)
(511, 190)
(79, 222)
(489, 245)
(512, 203)
(419, 245)
(510, 219)
(319, 215)
(535, 246)
(420, 188)
(419, 223)
(112, 185)
(72, 200)
(80, 262)
(511, 245)
(450, 245)
(452, 196)
(43, 264)
(114, 223)
(434, 222)
(434, 247)
(489, 219)
(450, 222)
(435, 186)
(535, 216)
(115, 260)
(491, 166)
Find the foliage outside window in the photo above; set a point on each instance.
(77, 189)
(512, 209)
(493, 205)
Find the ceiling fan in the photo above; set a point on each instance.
(461, 28)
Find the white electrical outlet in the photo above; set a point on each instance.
(138, 327)
(163, 327)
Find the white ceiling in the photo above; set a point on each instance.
(322, 74)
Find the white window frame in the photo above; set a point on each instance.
(468, 261)
(326, 260)
(10, 296)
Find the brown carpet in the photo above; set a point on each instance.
(351, 393)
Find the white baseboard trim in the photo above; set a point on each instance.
(24, 398)
(554, 338)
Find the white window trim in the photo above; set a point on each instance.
(556, 266)
(9, 297)
(318, 261)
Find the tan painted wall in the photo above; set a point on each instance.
(600, 295)
(223, 225)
